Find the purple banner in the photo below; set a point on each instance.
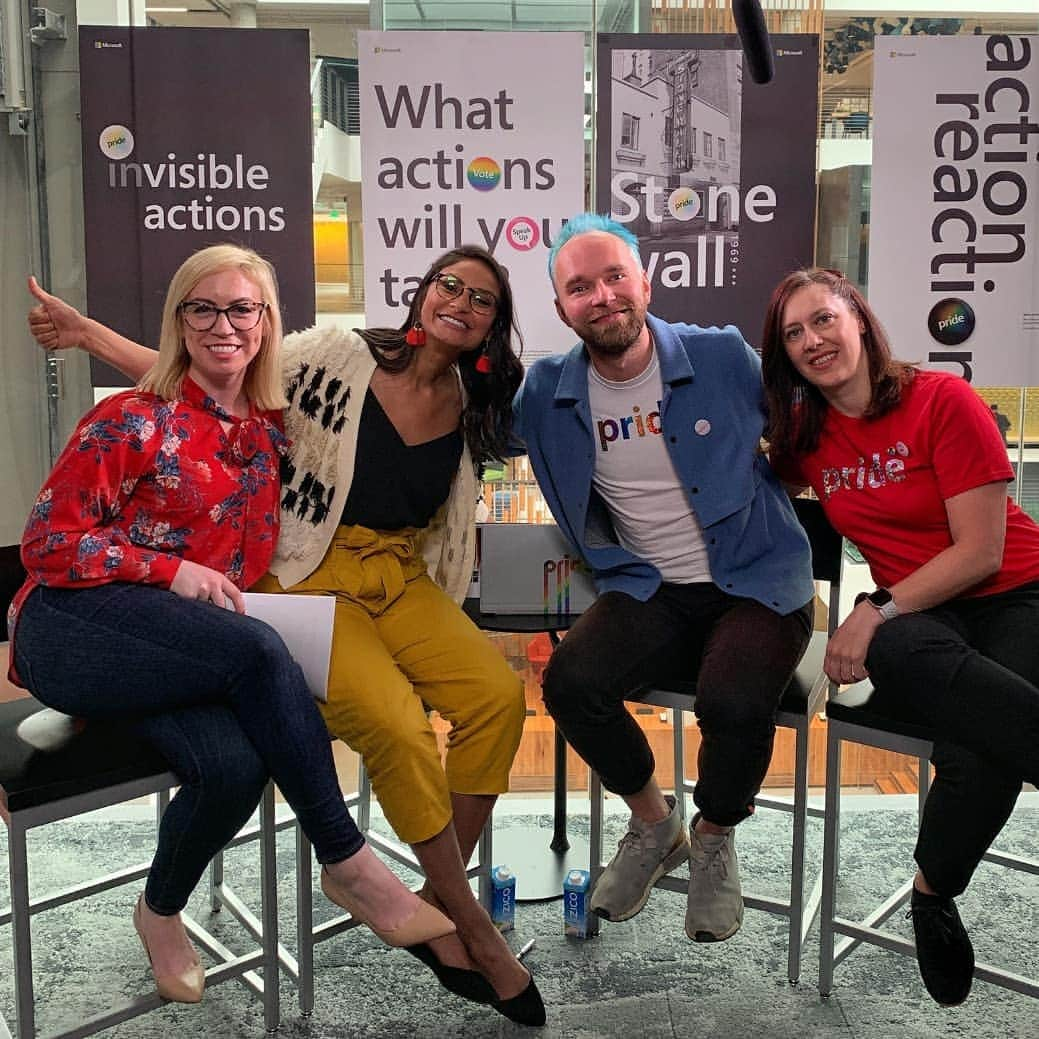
(714, 174)
(192, 137)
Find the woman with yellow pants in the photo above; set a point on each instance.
(378, 503)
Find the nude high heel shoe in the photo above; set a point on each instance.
(186, 987)
(425, 924)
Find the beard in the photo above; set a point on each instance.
(615, 339)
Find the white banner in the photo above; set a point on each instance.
(954, 221)
(470, 138)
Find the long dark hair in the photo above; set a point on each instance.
(796, 408)
(487, 417)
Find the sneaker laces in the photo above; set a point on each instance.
(639, 841)
(715, 861)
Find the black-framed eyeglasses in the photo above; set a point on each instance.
(200, 315)
(450, 286)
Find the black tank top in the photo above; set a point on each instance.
(397, 486)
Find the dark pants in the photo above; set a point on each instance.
(740, 654)
(215, 692)
(969, 671)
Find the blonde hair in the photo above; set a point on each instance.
(263, 379)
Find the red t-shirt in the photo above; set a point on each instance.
(883, 482)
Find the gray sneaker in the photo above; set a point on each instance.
(645, 853)
(714, 906)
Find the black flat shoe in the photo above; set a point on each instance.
(525, 1009)
(943, 948)
(469, 984)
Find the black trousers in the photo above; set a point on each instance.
(969, 671)
(740, 654)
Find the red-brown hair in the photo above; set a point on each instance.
(796, 408)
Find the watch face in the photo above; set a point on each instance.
(881, 597)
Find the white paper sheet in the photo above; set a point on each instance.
(305, 624)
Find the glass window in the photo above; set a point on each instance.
(630, 131)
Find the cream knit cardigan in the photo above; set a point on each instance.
(326, 374)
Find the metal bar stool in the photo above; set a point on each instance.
(309, 934)
(803, 698)
(299, 965)
(53, 767)
(848, 721)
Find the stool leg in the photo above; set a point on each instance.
(923, 784)
(304, 923)
(797, 853)
(364, 799)
(831, 838)
(594, 841)
(681, 783)
(483, 857)
(216, 880)
(269, 912)
(24, 1001)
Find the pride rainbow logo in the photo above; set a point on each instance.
(484, 173)
(556, 584)
(684, 203)
(116, 142)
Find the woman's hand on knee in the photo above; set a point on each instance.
(845, 660)
(194, 581)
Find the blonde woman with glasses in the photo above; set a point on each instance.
(388, 428)
(159, 512)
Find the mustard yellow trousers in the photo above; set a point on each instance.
(400, 646)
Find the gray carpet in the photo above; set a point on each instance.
(642, 978)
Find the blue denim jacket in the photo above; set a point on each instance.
(756, 547)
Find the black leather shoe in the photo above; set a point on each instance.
(469, 984)
(525, 1009)
(943, 949)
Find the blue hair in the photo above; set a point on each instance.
(584, 223)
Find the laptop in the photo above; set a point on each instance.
(530, 568)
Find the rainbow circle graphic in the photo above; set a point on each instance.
(683, 203)
(116, 142)
(951, 321)
(484, 173)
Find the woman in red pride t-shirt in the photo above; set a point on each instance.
(159, 512)
(911, 467)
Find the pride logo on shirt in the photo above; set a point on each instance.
(872, 474)
(613, 429)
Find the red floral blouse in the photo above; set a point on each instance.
(144, 483)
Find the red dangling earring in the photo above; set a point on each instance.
(483, 363)
(415, 336)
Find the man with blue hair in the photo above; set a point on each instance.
(645, 439)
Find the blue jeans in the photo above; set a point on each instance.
(739, 653)
(968, 670)
(217, 694)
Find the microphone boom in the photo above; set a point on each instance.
(757, 48)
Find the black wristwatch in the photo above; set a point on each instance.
(882, 601)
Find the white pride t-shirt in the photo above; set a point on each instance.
(633, 472)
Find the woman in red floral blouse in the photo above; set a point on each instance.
(161, 509)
